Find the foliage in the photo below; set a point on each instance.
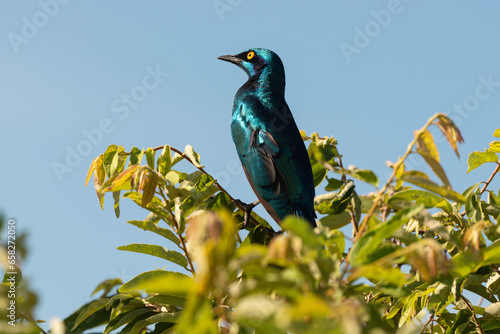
(420, 250)
(17, 300)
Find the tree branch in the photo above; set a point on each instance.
(270, 232)
(490, 179)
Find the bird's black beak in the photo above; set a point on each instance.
(231, 59)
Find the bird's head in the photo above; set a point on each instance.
(256, 62)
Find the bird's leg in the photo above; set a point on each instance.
(247, 209)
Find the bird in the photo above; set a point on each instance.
(267, 140)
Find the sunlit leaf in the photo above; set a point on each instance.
(450, 132)
(193, 156)
(159, 281)
(150, 157)
(493, 310)
(92, 169)
(363, 174)
(425, 144)
(107, 285)
(164, 161)
(136, 155)
(428, 199)
(107, 158)
(435, 188)
(476, 159)
(436, 168)
(157, 251)
(372, 239)
(494, 147)
(153, 227)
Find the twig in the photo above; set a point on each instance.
(490, 179)
(431, 318)
(395, 167)
(469, 306)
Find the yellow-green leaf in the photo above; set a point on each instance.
(450, 132)
(425, 143)
(494, 147)
(476, 159)
(193, 156)
(157, 251)
(160, 281)
(431, 186)
(436, 167)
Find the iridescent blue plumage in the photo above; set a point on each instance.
(268, 142)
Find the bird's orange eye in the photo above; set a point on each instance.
(250, 55)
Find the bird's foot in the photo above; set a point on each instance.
(247, 209)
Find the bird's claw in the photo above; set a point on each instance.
(247, 209)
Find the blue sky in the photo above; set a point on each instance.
(145, 74)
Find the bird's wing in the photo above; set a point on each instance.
(257, 150)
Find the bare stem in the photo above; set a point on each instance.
(469, 306)
(431, 318)
(490, 179)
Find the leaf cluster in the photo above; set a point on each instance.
(420, 252)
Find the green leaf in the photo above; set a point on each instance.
(493, 310)
(470, 260)
(125, 318)
(301, 228)
(332, 203)
(463, 317)
(158, 251)
(153, 227)
(167, 300)
(108, 157)
(116, 198)
(135, 156)
(333, 184)
(164, 161)
(137, 325)
(429, 200)
(107, 285)
(159, 281)
(336, 221)
(450, 132)
(150, 158)
(96, 319)
(436, 168)
(493, 284)
(118, 162)
(426, 144)
(121, 181)
(473, 207)
(219, 201)
(371, 240)
(91, 309)
(364, 175)
(193, 156)
(431, 186)
(476, 159)
(319, 173)
(164, 317)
